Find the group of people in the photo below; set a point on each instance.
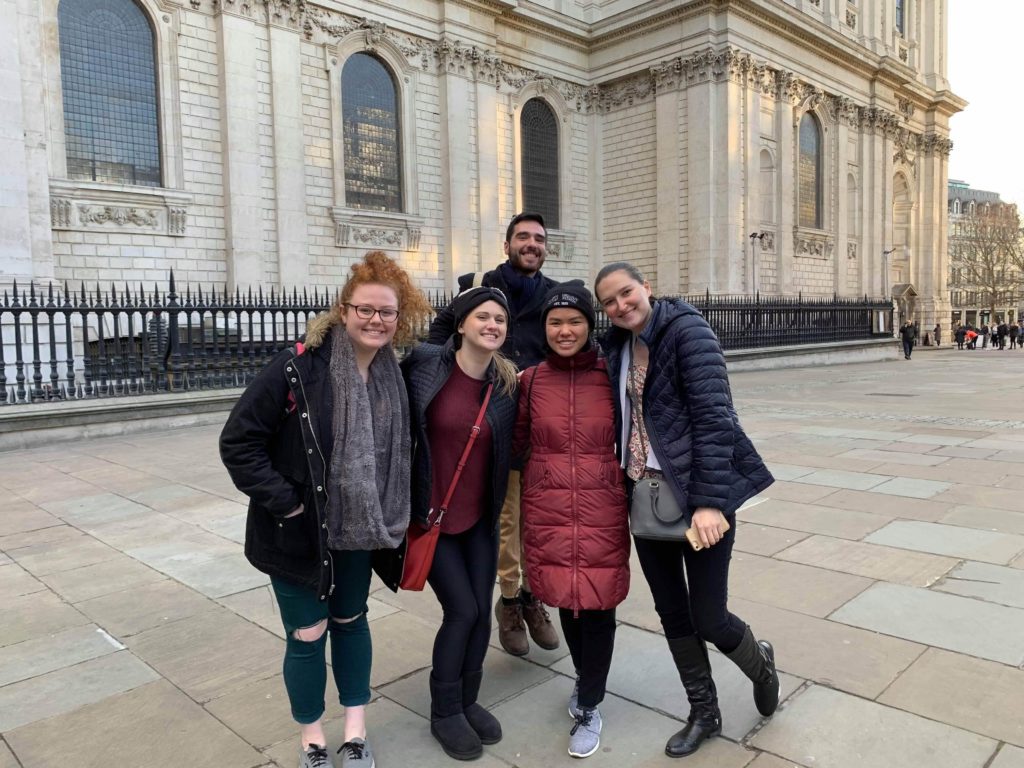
(999, 334)
(522, 439)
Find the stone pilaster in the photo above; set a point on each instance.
(243, 205)
(455, 171)
(289, 156)
(491, 232)
(668, 191)
(785, 118)
(15, 219)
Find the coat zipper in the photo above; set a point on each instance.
(573, 485)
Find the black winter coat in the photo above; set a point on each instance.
(426, 369)
(692, 425)
(525, 344)
(277, 451)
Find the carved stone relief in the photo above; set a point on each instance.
(104, 208)
(355, 228)
(815, 245)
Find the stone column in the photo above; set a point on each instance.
(784, 241)
(455, 94)
(877, 217)
(491, 232)
(595, 167)
(701, 168)
(933, 304)
(289, 150)
(842, 228)
(667, 126)
(15, 223)
(243, 206)
(731, 245)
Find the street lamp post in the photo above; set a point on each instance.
(753, 259)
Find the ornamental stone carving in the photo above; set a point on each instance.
(932, 143)
(121, 216)
(60, 212)
(95, 207)
(814, 245)
(388, 232)
(286, 13)
(851, 19)
(768, 242)
(851, 250)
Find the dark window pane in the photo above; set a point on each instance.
(901, 16)
(539, 153)
(108, 75)
(809, 182)
(369, 110)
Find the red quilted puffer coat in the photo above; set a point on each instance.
(574, 515)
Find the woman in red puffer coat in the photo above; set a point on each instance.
(574, 513)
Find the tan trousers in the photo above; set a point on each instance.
(510, 542)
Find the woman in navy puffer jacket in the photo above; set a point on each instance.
(677, 423)
(575, 523)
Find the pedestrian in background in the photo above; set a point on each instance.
(937, 332)
(907, 336)
(677, 426)
(319, 442)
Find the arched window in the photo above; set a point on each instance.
(901, 17)
(369, 114)
(956, 206)
(970, 208)
(539, 161)
(809, 186)
(108, 77)
(767, 187)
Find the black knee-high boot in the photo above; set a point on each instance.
(756, 659)
(705, 719)
(448, 722)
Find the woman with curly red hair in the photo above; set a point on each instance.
(320, 442)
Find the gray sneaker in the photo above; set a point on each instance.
(314, 756)
(574, 698)
(585, 736)
(356, 754)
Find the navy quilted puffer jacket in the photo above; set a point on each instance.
(688, 410)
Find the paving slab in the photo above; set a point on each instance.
(15, 581)
(765, 540)
(210, 654)
(970, 693)
(7, 759)
(808, 458)
(401, 644)
(793, 586)
(896, 457)
(787, 491)
(855, 660)
(65, 690)
(537, 726)
(178, 554)
(232, 527)
(872, 561)
(127, 613)
(838, 478)
(891, 506)
(956, 623)
(984, 496)
(782, 471)
(51, 534)
(22, 517)
(258, 606)
(940, 440)
(1016, 482)
(504, 677)
(141, 531)
(765, 760)
(992, 583)
(217, 577)
(951, 540)
(94, 509)
(52, 557)
(260, 713)
(985, 518)
(40, 655)
(153, 726)
(637, 609)
(813, 518)
(959, 452)
(36, 614)
(537, 654)
(91, 581)
(1009, 757)
(830, 728)
(643, 672)
(912, 487)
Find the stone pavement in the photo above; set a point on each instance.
(886, 564)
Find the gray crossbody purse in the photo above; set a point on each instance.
(654, 512)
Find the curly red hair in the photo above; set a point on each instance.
(377, 269)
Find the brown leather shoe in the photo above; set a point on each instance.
(536, 618)
(511, 630)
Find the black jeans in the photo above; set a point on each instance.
(591, 639)
(462, 576)
(690, 589)
(908, 347)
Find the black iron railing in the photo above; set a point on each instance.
(61, 345)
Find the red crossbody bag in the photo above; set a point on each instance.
(421, 543)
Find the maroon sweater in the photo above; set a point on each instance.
(450, 418)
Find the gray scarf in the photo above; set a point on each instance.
(368, 499)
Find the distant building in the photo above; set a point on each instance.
(984, 282)
(272, 142)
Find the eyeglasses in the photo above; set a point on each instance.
(366, 312)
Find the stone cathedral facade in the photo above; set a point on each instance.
(781, 146)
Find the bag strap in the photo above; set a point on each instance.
(473, 434)
(478, 279)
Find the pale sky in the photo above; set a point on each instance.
(986, 61)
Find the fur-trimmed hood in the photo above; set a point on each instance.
(320, 326)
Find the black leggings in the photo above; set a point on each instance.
(591, 638)
(692, 602)
(462, 576)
